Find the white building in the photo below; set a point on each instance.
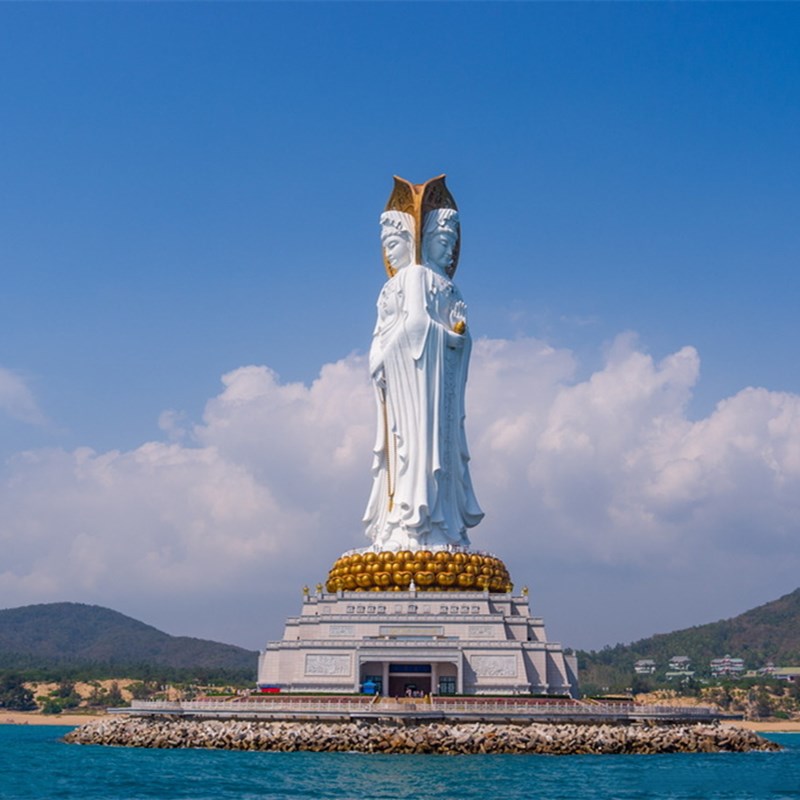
(417, 642)
(679, 663)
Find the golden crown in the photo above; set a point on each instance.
(417, 199)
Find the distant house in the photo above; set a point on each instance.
(727, 666)
(679, 669)
(679, 663)
(790, 674)
(644, 666)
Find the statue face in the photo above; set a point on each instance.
(439, 248)
(398, 250)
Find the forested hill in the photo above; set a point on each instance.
(767, 633)
(57, 636)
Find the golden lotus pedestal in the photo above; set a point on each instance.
(415, 623)
(422, 570)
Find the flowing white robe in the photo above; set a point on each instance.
(422, 493)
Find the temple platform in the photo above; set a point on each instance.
(417, 643)
(517, 710)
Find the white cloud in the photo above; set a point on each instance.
(586, 485)
(17, 399)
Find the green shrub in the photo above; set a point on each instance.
(51, 706)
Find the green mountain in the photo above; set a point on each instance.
(767, 633)
(59, 638)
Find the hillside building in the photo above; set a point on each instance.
(727, 667)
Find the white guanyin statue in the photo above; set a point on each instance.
(422, 494)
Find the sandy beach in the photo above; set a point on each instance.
(771, 726)
(37, 718)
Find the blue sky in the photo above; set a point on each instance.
(189, 189)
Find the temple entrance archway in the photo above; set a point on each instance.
(414, 674)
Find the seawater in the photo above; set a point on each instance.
(36, 765)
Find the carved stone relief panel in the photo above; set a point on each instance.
(494, 666)
(321, 664)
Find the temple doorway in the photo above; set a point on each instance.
(409, 680)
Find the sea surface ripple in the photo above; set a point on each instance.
(36, 765)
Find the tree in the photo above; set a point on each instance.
(142, 690)
(641, 685)
(14, 695)
(51, 706)
(114, 698)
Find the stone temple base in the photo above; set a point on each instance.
(414, 643)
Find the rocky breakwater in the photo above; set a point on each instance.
(443, 738)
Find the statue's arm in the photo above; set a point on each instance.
(419, 317)
(376, 350)
(416, 314)
(388, 331)
(376, 369)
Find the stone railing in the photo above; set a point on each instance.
(450, 707)
(568, 708)
(380, 641)
(311, 705)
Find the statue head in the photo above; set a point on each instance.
(397, 239)
(418, 203)
(440, 236)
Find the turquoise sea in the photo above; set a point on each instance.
(35, 765)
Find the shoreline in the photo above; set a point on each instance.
(769, 726)
(37, 718)
(75, 720)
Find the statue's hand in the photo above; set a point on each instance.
(379, 376)
(458, 317)
(455, 340)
